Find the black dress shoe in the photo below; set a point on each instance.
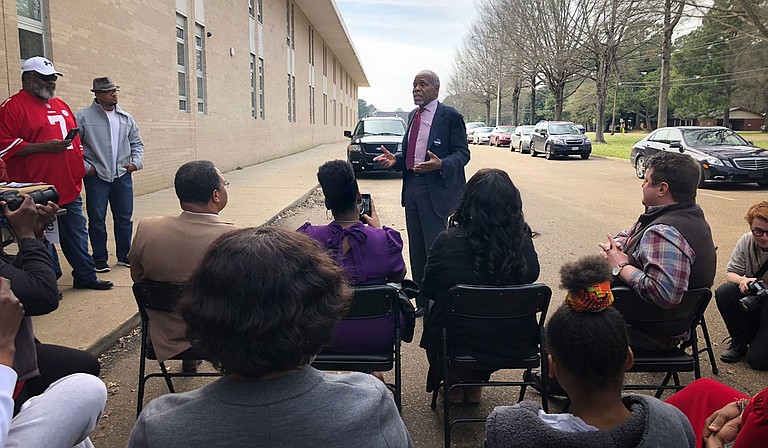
(420, 311)
(737, 349)
(101, 285)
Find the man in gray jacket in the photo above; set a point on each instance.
(112, 151)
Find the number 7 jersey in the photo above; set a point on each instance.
(25, 118)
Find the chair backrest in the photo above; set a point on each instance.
(657, 320)
(371, 323)
(372, 301)
(498, 321)
(154, 295)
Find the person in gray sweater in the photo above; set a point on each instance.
(588, 354)
(259, 306)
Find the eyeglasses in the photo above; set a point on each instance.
(759, 232)
(225, 184)
(46, 78)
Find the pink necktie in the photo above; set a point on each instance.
(415, 126)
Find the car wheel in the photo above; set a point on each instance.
(532, 151)
(584, 155)
(548, 152)
(640, 167)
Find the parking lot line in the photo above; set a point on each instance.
(716, 196)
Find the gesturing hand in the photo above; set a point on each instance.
(386, 159)
(433, 163)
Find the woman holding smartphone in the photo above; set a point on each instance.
(369, 253)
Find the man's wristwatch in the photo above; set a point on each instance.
(617, 269)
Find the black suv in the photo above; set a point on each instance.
(370, 134)
(559, 138)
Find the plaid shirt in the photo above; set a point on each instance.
(665, 259)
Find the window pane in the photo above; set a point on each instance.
(179, 33)
(200, 106)
(30, 44)
(200, 91)
(182, 105)
(182, 84)
(29, 9)
(180, 53)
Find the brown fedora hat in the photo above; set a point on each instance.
(103, 84)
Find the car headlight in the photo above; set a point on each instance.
(354, 148)
(558, 141)
(714, 161)
(586, 140)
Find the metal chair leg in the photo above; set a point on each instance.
(167, 377)
(708, 348)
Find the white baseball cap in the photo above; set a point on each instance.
(40, 65)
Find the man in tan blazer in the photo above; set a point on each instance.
(168, 248)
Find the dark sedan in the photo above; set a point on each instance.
(724, 155)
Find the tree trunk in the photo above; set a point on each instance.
(487, 112)
(559, 93)
(533, 100)
(670, 21)
(516, 104)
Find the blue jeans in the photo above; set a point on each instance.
(119, 194)
(73, 238)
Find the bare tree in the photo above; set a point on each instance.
(673, 11)
(549, 32)
(617, 28)
(756, 14)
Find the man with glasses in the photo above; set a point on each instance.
(748, 265)
(112, 149)
(168, 248)
(34, 143)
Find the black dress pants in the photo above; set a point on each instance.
(55, 362)
(753, 325)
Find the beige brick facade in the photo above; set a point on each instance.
(134, 42)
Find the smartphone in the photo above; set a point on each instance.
(365, 206)
(72, 133)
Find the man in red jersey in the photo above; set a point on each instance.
(33, 130)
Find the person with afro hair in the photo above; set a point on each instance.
(589, 354)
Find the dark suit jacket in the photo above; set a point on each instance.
(448, 141)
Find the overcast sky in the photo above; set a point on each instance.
(395, 39)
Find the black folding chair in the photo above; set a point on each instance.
(686, 317)
(508, 321)
(159, 296)
(370, 304)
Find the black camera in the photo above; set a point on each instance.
(758, 297)
(14, 199)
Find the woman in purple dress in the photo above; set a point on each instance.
(369, 253)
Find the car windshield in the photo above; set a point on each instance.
(526, 130)
(699, 138)
(475, 125)
(485, 129)
(380, 127)
(563, 129)
(505, 129)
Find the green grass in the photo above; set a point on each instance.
(620, 145)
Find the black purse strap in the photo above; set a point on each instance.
(761, 272)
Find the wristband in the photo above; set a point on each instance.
(742, 403)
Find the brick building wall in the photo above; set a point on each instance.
(134, 42)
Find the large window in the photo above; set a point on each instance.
(254, 90)
(200, 66)
(31, 28)
(311, 105)
(259, 12)
(261, 88)
(181, 60)
(290, 32)
(289, 97)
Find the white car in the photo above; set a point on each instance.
(521, 139)
(472, 126)
(482, 136)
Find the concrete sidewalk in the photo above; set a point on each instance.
(94, 320)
